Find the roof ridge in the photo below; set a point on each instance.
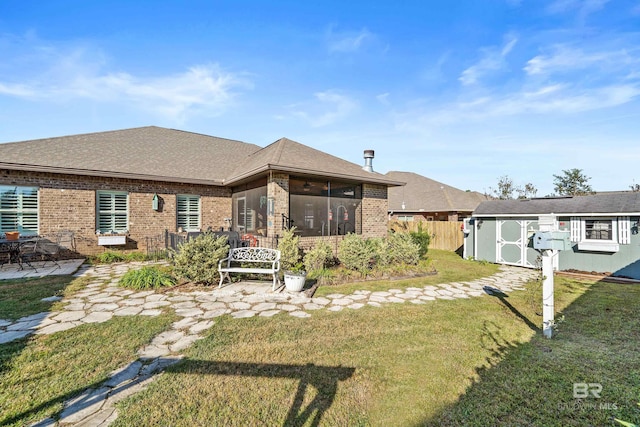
(277, 155)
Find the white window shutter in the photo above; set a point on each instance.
(575, 229)
(624, 230)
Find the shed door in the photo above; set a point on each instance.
(513, 236)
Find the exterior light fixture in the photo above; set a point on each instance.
(306, 186)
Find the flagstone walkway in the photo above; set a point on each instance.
(103, 299)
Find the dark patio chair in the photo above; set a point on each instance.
(48, 251)
(28, 252)
(5, 254)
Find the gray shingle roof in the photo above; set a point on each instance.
(609, 203)
(157, 153)
(424, 194)
(291, 156)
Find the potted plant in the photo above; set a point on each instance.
(291, 261)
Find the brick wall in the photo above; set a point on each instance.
(374, 210)
(278, 192)
(67, 202)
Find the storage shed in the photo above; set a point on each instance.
(603, 229)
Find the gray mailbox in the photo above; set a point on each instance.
(559, 240)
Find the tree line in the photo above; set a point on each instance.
(571, 182)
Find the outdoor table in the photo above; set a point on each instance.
(13, 247)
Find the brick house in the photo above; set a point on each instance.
(424, 199)
(120, 187)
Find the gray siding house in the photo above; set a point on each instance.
(603, 230)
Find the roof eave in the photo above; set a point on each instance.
(529, 215)
(109, 174)
(307, 172)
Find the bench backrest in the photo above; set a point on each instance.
(254, 255)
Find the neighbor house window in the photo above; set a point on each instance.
(113, 211)
(188, 212)
(600, 234)
(19, 209)
(405, 218)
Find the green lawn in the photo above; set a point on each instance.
(39, 373)
(479, 361)
(19, 298)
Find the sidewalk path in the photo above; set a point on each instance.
(102, 299)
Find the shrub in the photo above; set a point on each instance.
(319, 257)
(398, 248)
(111, 256)
(422, 238)
(147, 278)
(356, 253)
(290, 253)
(197, 259)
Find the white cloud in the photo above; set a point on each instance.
(59, 75)
(349, 41)
(329, 107)
(493, 59)
(583, 8)
(546, 100)
(565, 58)
(383, 98)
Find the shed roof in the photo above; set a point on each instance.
(422, 194)
(157, 153)
(624, 202)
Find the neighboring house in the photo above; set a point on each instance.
(603, 231)
(423, 199)
(140, 182)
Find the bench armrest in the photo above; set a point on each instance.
(222, 260)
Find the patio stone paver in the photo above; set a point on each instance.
(100, 302)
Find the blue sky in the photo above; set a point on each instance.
(463, 92)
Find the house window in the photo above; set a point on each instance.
(405, 218)
(598, 229)
(19, 209)
(113, 212)
(188, 212)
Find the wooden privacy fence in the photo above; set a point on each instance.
(445, 235)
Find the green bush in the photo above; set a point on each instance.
(422, 238)
(356, 253)
(398, 248)
(290, 253)
(147, 278)
(197, 259)
(318, 258)
(111, 256)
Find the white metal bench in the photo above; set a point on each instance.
(267, 262)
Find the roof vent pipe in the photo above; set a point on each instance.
(368, 160)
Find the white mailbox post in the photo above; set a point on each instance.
(549, 241)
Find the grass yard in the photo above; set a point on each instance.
(39, 373)
(22, 297)
(450, 268)
(478, 361)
